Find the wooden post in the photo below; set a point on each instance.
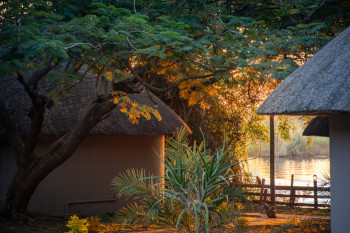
(265, 196)
(315, 192)
(258, 180)
(262, 191)
(272, 161)
(292, 191)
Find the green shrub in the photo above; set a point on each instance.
(196, 187)
(77, 225)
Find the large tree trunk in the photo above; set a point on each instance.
(31, 172)
(19, 193)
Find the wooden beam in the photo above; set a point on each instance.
(272, 160)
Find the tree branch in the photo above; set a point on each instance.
(38, 75)
(312, 12)
(37, 118)
(84, 74)
(79, 44)
(173, 85)
(64, 147)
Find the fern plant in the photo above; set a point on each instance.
(195, 189)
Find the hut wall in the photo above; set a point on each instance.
(7, 167)
(82, 183)
(340, 171)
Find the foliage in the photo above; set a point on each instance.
(297, 146)
(94, 224)
(288, 140)
(134, 110)
(117, 40)
(281, 35)
(77, 225)
(195, 190)
(133, 184)
(198, 180)
(285, 128)
(98, 226)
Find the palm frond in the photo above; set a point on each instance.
(133, 184)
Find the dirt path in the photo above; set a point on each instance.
(259, 219)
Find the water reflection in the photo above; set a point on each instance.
(303, 168)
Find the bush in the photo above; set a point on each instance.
(196, 189)
(77, 225)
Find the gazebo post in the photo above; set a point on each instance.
(272, 160)
(339, 132)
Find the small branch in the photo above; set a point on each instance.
(150, 96)
(80, 44)
(134, 1)
(312, 12)
(127, 38)
(84, 74)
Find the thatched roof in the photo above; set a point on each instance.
(320, 86)
(64, 115)
(319, 126)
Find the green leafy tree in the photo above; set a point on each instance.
(281, 35)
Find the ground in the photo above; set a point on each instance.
(297, 220)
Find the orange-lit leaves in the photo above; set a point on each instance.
(117, 75)
(134, 110)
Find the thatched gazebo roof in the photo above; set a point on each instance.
(319, 87)
(319, 126)
(66, 112)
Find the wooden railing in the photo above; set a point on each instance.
(261, 191)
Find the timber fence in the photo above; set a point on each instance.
(260, 194)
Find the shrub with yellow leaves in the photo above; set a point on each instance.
(77, 225)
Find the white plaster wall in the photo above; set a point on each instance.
(340, 172)
(87, 175)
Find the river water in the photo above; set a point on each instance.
(303, 168)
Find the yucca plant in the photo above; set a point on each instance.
(195, 187)
(198, 179)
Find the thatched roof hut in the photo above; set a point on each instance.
(64, 115)
(320, 86)
(319, 126)
(81, 185)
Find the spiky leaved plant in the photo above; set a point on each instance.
(132, 184)
(198, 180)
(196, 186)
